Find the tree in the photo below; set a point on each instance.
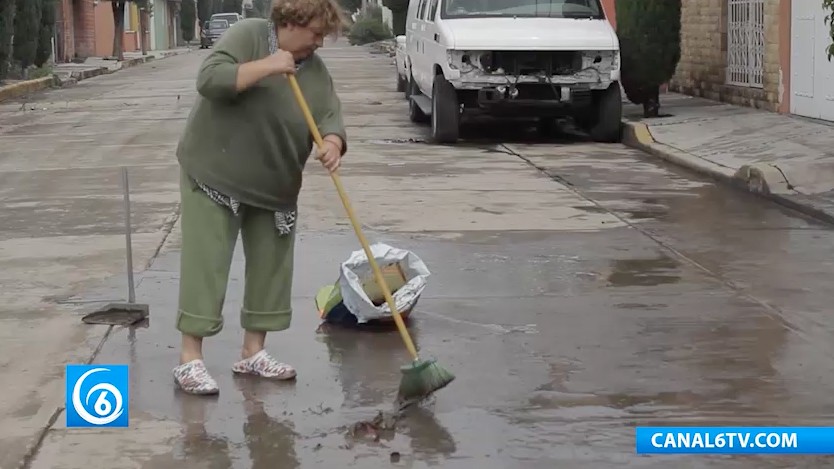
(7, 14)
(188, 16)
(205, 8)
(829, 18)
(47, 29)
(352, 6)
(399, 9)
(27, 23)
(231, 6)
(118, 7)
(649, 32)
(260, 8)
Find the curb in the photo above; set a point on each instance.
(762, 179)
(23, 88)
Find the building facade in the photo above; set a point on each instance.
(85, 28)
(165, 25)
(105, 29)
(74, 29)
(766, 54)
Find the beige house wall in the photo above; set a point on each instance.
(703, 65)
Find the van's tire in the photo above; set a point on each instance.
(606, 118)
(414, 112)
(445, 115)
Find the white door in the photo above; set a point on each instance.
(423, 62)
(414, 37)
(433, 51)
(812, 74)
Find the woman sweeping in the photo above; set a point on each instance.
(241, 155)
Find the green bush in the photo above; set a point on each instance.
(369, 28)
(649, 32)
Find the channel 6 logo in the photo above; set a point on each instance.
(97, 396)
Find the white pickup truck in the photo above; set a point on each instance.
(530, 58)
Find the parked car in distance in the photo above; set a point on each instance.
(232, 18)
(212, 32)
(547, 59)
(402, 69)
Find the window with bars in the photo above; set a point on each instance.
(745, 42)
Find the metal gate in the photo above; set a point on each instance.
(745, 42)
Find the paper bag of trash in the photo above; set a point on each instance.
(356, 298)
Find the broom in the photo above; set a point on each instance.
(420, 378)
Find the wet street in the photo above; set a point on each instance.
(577, 290)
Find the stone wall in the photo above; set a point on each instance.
(702, 68)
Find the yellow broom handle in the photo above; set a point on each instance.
(353, 220)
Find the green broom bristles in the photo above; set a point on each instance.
(422, 378)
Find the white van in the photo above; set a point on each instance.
(532, 58)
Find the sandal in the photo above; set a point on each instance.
(263, 365)
(194, 378)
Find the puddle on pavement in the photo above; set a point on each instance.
(644, 272)
(567, 363)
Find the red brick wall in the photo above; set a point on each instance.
(85, 28)
(65, 28)
(76, 29)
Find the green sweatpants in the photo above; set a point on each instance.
(209, 235)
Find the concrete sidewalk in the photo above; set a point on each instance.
(95, 66)
(62, 222)
(788, 159)
(70, 73)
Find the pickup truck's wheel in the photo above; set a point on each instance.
(606, 121)
(445, 111)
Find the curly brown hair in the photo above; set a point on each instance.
(303, 12)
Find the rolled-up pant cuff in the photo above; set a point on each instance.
(265, 321)
(198, 326)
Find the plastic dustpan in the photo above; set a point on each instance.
(327, 298)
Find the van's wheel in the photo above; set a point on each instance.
(414, 112)
(605, 125)
(445, 111)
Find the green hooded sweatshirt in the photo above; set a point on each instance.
(253, 145)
